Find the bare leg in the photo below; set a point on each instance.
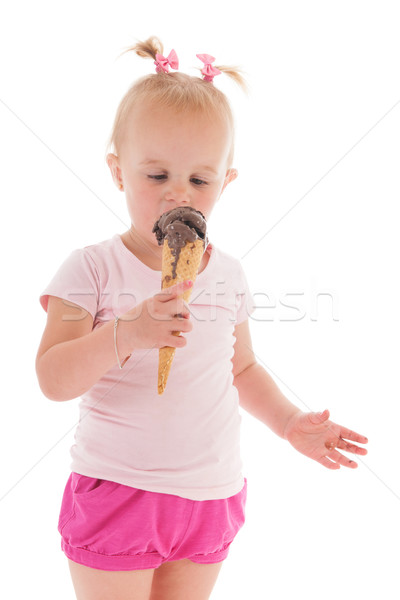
(183, 579)
(94, 584)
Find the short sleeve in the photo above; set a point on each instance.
(244, 299)
(77, 280)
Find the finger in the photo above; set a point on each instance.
(175, 290)
(178, 324)
(182, 316)
(183, 311)
(324, 461)
(175, 340)
(343, 445)
(348, 434)
(342, 460)
(186, 310)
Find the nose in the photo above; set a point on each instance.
(178, 192)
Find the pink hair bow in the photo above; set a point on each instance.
(208, 70)
(163, 64)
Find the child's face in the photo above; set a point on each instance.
(168, 160)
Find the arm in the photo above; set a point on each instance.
(312, 434)
(72, 356)
(258, 393)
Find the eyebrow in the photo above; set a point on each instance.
(152, 161)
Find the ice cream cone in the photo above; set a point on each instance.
(186, 267)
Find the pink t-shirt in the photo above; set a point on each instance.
(185, 441)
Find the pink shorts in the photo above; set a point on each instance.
(114, 527)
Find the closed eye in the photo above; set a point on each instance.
(194, 180)
(157, 177)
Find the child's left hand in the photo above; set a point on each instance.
(318, 438)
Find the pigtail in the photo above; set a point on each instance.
(147, 49)
(236, 74)
(209, 71)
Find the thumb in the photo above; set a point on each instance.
(175, 290)
(319, 417)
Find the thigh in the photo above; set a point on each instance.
(183, 579)
(94, 584)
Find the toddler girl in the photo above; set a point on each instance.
(156, 494)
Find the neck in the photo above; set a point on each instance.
(150, 254)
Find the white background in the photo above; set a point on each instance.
(319, 132)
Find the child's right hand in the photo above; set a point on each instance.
(151, 324)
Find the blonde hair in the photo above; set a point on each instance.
(176, 90)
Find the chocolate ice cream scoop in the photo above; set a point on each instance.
(179, 226)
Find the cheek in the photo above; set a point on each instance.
(214, 194)
(140, 186)
(139, 190)
(206, 205)
(145, 206)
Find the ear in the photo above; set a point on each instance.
(113, 164)
(230, 175)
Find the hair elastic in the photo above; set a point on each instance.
(164, 63)
(208, 70)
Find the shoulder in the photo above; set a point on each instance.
(101, 250)
(227, 263)
(81, 274)
(223, 257)
(100, 257)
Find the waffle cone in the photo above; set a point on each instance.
(187, 267)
